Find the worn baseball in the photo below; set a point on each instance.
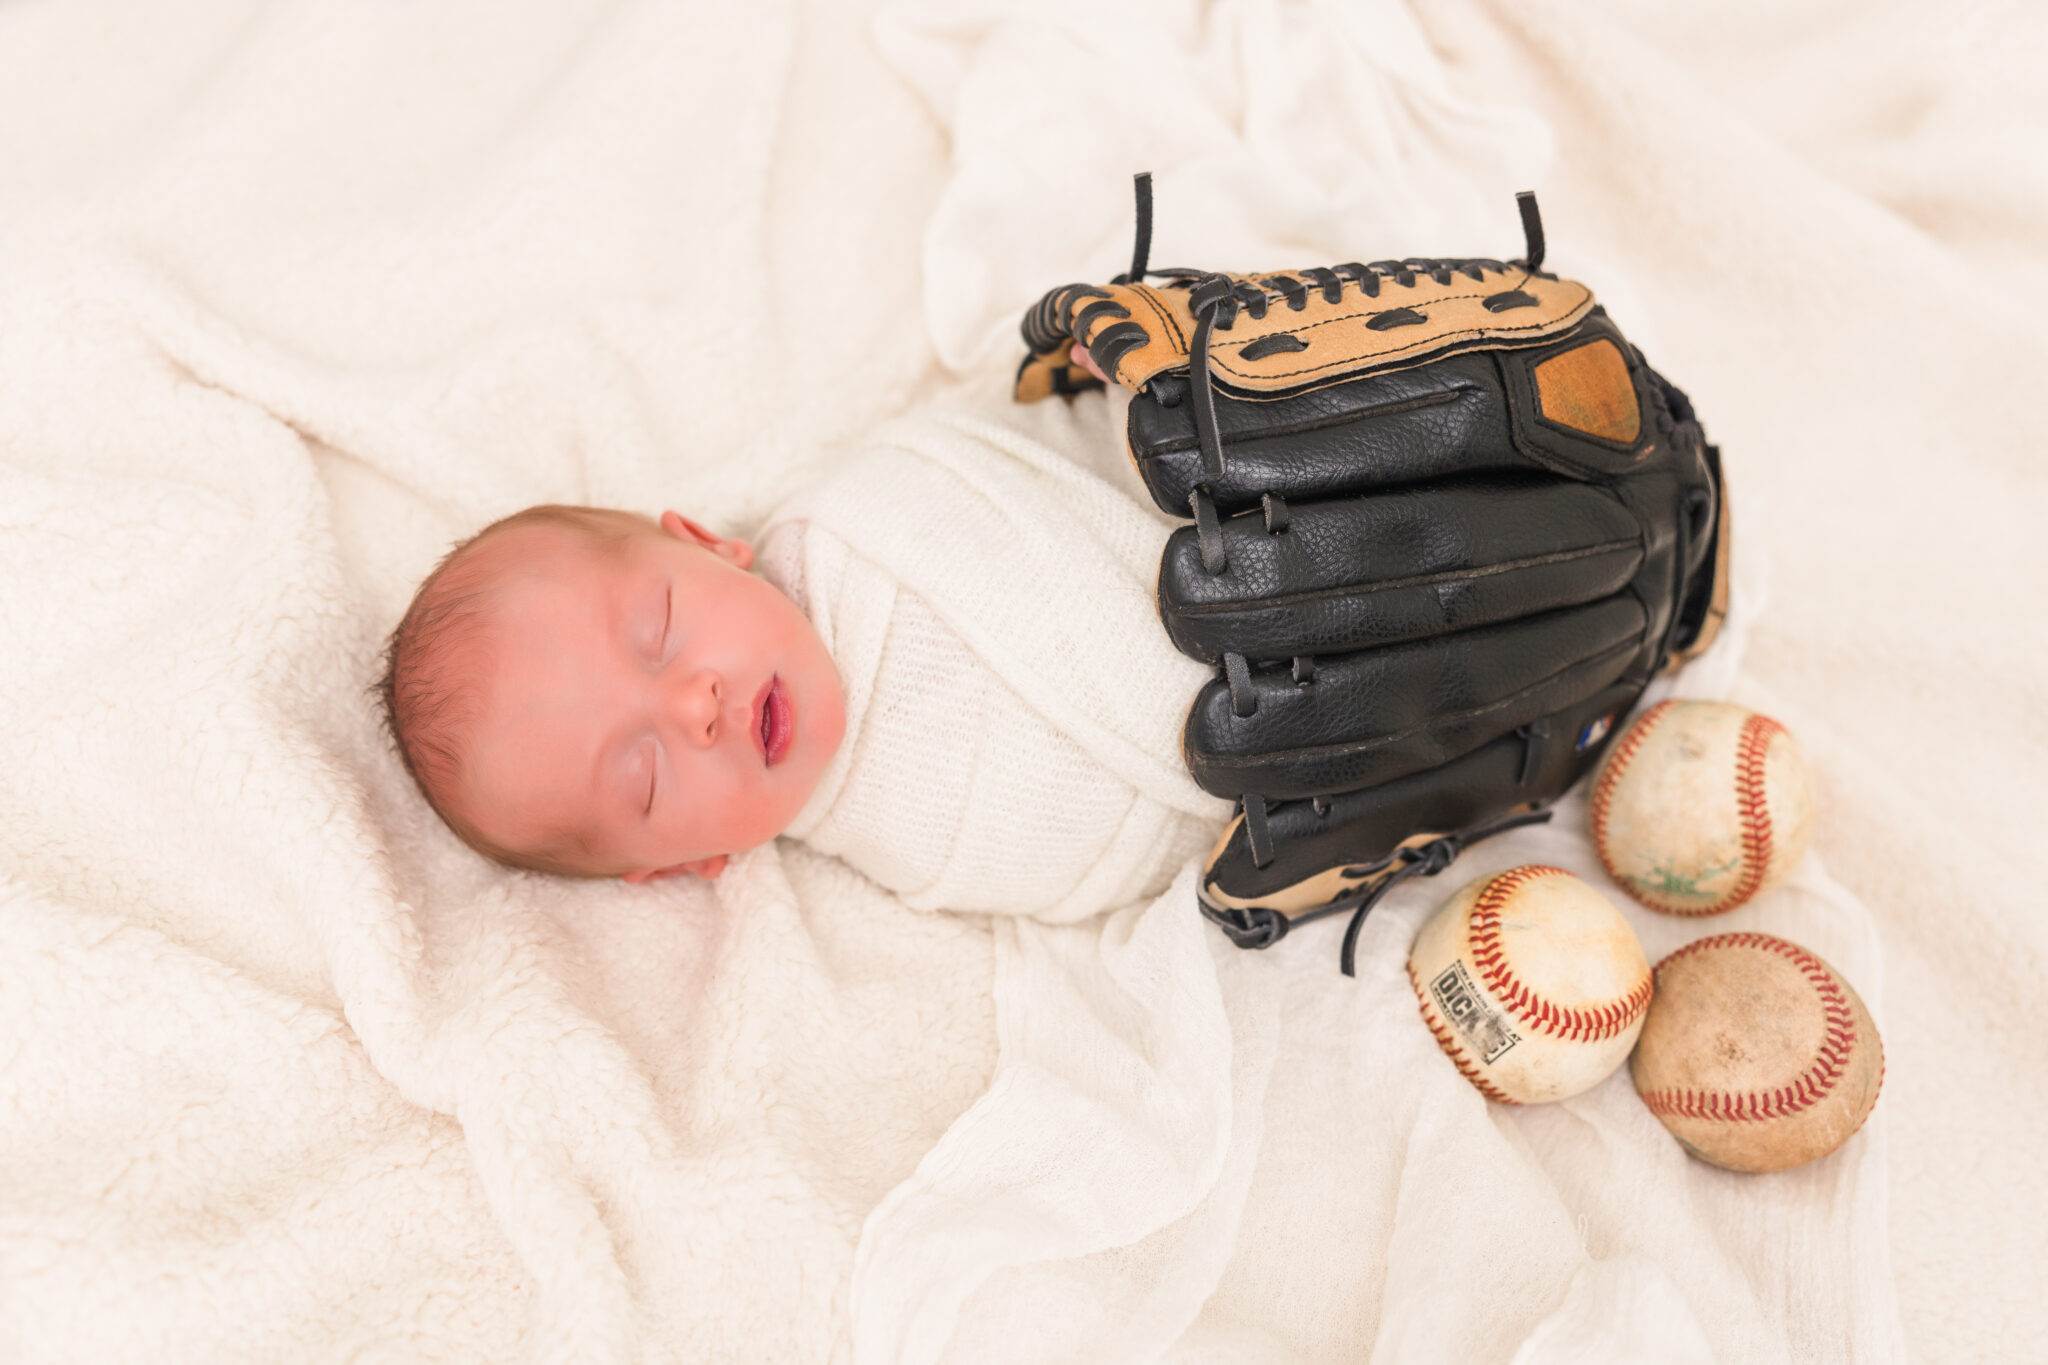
(1700, 806)
(1756, 1054)
(1533, 983)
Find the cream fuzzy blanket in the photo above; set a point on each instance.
(291, 296)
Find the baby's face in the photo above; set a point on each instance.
(650, 707)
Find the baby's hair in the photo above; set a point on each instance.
(429, 700)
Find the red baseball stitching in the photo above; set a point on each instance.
(1451, 1046)
(1752, 809)
(1838, 1042)
(1603, 790)
(1490, 956)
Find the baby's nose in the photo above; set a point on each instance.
(695, 704)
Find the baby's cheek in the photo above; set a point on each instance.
(746, 815)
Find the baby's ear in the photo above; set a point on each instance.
(707, 868)
(735, 552)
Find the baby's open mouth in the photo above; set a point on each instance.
(775, 722)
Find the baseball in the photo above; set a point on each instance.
(1533, 983)
(1756, 1054)
(1700, 806)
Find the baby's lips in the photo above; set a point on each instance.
(759, 718)
(778, 723)
(774, 722)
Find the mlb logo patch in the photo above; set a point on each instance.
(1594, 733)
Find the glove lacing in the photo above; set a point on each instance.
(1215, 299)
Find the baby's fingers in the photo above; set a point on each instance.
(1087, 362)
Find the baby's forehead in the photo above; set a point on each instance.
(517, 564)
(596, 539)
(500, 582)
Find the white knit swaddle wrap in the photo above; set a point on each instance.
(1013, 706)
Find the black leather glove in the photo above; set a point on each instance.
(1446, 527)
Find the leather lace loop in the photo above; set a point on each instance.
(1532, 230)
(1244, 702)
(1208, 530)
(1256, 927)
(1426, 860)
(1141, 249)
(1257, 832)
(1259, 926)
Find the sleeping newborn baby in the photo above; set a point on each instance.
(942, 665)
(589, 692)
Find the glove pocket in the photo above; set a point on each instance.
(1356, 573)
(1378, 714)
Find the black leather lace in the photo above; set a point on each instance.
(1259, 926)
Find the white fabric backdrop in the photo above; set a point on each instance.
(291, 296)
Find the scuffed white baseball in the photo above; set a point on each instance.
(1700, 806)
(1532, 982)
(1756, 1054)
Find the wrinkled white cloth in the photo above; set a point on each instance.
(1271, 130)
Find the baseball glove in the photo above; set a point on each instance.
(1446, 526)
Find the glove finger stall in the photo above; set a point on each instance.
(1323, 844)
(1355, 573)
(1379, 714)
(1363, 434)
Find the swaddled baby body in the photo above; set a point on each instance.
(590, 692)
